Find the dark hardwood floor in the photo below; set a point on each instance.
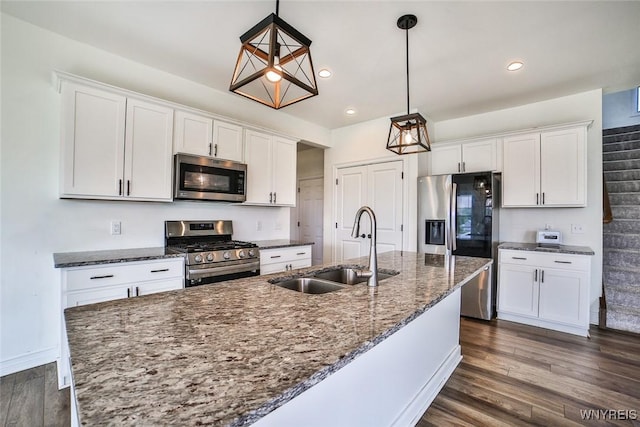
(511, 375)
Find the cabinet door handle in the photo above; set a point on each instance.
(541, 276)
(537, 198)
(128, 292)
(535, 277)
(274, 197)
(137, 291)
(543, 197)
(119, 187)
(210, 148)
(563, 262)
(275, 256)
(458, 166)
(128, 187)
(270, 197)
(518, 257)
(301, 253)
(106, 276)
(215, 150)
(160, 270)
(463, 167)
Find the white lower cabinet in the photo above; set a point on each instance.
(284, 259)
(545, 289)
(108, 282)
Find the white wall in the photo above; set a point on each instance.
(519, 225)
(620, 109)
(35, 223)
(365, 143)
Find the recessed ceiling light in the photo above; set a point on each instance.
(325, 73)
(515, 65)
(350, 111)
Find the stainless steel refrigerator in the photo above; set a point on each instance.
(458, 215)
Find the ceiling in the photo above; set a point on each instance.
(459, 50)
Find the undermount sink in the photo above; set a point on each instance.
(347, 276)
(309, 285)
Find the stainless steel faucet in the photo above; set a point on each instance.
(372, 273)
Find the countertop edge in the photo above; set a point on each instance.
(561, 249)
(116, 256)
(277, 244)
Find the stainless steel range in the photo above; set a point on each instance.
(211, 254)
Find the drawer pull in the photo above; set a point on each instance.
(535, 278)
(563, 262)
(276, 256)
(518, 257)
(128, 292)
(106, 276)
(160, 270)
(137, 291)
(301, 253)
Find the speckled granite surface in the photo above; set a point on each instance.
(560, 249)
(230, 353)
(75, 259)
(280, 243)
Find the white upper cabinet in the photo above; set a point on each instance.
(201, 135)
(473, 156)
(102, 161)
(271, 169)
(545, 169)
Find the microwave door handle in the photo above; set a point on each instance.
(452, 223)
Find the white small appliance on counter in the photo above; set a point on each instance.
(548, 238)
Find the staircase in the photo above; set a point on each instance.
(621, 236)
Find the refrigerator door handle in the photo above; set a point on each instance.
(453, 218)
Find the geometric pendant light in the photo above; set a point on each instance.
(408, 133)
(274, 64)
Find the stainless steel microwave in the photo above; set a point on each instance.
(204, 178)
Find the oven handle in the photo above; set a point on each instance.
(199, 273)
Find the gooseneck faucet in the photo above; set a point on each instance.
(372, 273)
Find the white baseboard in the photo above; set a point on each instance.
(421, 402)
(28, 361)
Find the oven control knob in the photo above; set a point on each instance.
(198, 258)
(252, 253)
(210, 257)
(226, 255)
(241, 253)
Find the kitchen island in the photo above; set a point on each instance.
(246, 351)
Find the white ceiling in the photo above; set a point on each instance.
(458, 50)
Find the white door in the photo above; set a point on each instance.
(227, 141)
(517, 290)
(93, 141)
(445, 159)
(384, 196)
(521, 170)
(310, 202)
(284, 171)
(562, 163)
(563, 296)
(192, 133)
(258, 159)
(148, 148)
(379, 186)
(479, 156)
(351, 191)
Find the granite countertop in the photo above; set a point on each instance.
(556, 249)
(76, 259)
(230, 353)
(280, 243)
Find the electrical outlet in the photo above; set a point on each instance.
(258, 225)
(116, 227)
(577, 229)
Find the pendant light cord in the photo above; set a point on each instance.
(407, 33)
(277, 7)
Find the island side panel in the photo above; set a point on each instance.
(391, 384)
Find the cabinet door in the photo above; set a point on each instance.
(479, 156)
(147, 288)
(517, 290)
(93, 126)
(446, 159)
(563, 166)
(96, 295)
(564, 296)
(521, 170)
(148, 151)
(227, 141)
(193, 134)
(284, 171)
(258, 159)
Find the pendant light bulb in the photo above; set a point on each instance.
(274, 75)
(408, 139)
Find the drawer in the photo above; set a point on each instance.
(79, 278)
(284, 255)
(280, 267)
(546, 260)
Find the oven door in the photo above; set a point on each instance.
(204, 178)
(219, 272)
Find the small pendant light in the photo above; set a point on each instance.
(274, 65)
(408, 133)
